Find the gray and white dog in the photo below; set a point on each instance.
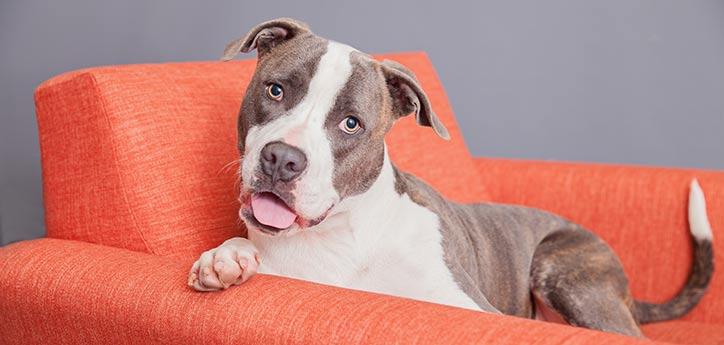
(323, 202)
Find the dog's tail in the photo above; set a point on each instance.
(701, 270)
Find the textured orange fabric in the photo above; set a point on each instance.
(640, 211)
(68, 292)
(685, 332)
(149, 151)
(140, 158)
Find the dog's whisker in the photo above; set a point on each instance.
(225, 168)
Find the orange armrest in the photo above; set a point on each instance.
(591, 193)
(60, 291)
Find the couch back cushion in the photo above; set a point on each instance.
(144, 156)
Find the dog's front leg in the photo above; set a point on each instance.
(231, 263)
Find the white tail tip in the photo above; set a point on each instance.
(698, 220)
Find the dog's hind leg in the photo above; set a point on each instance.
(578, 276)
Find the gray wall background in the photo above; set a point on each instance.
(627, 81)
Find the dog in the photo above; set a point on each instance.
(323, 202)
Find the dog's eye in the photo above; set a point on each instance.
(275, 91)
(350, 125)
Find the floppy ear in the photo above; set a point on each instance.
(407, 97)
(265, 36)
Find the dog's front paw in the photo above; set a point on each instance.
(231, 263)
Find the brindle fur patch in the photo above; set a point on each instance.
(578, 275)
(492, 249)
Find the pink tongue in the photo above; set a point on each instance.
(271, 211)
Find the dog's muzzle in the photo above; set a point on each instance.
(280, 165)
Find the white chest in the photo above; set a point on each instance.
(393, 247)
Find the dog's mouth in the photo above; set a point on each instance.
(272, 215)
(271, 211)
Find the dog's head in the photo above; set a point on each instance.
(312, 123)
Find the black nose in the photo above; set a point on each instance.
(282, 161)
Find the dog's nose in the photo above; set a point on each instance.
(282, 161)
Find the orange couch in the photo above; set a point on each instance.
(139, 177)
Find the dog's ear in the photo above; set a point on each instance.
(265, 36)
(407, 97)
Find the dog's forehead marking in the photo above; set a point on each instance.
(333, 72)
(309, 133)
